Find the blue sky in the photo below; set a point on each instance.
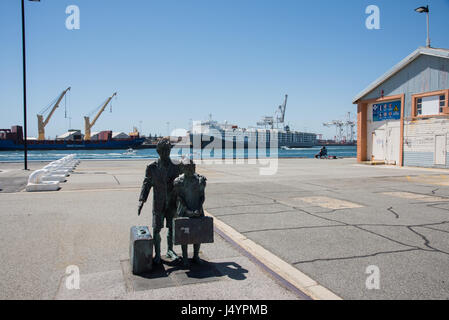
(179, 60)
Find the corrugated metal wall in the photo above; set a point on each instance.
(418, 159)
(419, 141)
(425, 74)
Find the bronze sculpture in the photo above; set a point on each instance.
(160, 175)
(189, 188)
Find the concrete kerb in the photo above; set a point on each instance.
(395, 167)
(285, 270)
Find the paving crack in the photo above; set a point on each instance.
(292, 228)
(355, 257)
(251, 213)
(393, 212)
(426, 241)
(118, 182)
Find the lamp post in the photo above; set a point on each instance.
(25, 144)
(426, 10)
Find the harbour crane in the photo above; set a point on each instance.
(88, 125)
(350, 128)
(269, 121)
(41, 123)
(340, 126)
(281, 111)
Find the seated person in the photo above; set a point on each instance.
(322, 153)
(189, 188)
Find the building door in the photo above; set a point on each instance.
(440, 149)
(392, 143)
(378, 145)
(383, 122)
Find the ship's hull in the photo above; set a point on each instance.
(10, 145)
(244, 143)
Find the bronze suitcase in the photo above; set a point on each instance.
(193, 230)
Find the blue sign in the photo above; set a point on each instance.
(387, 111)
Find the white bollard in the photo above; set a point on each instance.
(37, 183)
(48, 178)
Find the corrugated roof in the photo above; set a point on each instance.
(437, 52)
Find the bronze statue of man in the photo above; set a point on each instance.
(189, 188)
(160, 175)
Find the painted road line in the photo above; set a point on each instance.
(415, 196)
(396, 167)
(276, 265)
(23, 192)
(329, 203)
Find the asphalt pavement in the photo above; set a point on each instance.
(331, 220)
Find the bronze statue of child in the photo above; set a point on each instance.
(189, 188)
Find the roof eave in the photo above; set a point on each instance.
(398, 67)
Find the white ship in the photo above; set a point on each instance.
(232, 136)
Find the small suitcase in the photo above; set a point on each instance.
(193, 230)
(141, 250)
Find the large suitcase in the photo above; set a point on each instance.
(141, 250)
(193, 230)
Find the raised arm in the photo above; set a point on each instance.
(146, 187)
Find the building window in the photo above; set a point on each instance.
(442, 102)
(431, 105)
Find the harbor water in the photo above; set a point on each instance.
(50, 155)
